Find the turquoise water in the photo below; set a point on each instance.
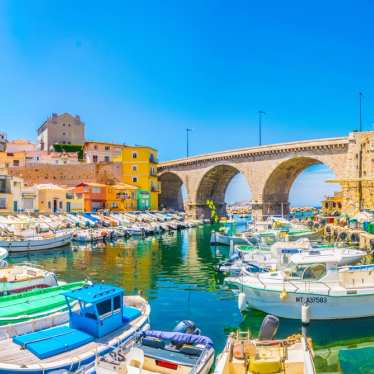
(177, 275)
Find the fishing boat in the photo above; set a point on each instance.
(328, 292)
(266, 355)
(20, 278)
(100, 319)
(33, 304)
(223, 238)
(160, 352)
(36, 242)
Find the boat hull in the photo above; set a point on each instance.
(322, 306)
(218, 238)
(36, 244)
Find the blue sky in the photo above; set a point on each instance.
(141, 72)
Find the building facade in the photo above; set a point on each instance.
(121, 197)
(94, 195)
(10, 159)
(3, 141)
(332, 205)
(60, 129)
(139, 168)
(95, 152)
(20, 145)
(51, 198)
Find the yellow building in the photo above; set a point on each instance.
(121, 197)
(139, 168)
(10, 159)
(332, 205)
(74, 201)
(51, 198)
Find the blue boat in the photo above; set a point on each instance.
(101, 318)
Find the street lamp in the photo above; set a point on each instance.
(187, 142)
(260, 114)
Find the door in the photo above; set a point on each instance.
(68, 206)
(15, 206)
(54, 206)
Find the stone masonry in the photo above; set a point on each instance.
(270, 172)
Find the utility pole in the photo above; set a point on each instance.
(187, 142)
(360, 96)
(260, 113)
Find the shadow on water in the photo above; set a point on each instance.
(177, 274)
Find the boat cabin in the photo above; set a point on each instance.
(354, 277)
(311, 270)
(96, 309)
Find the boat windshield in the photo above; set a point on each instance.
(306, 272)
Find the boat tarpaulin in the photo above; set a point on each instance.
(180, 338)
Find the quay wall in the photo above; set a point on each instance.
(69, 175)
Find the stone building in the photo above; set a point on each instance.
(60, 129)
(3, 141)
(101, 151)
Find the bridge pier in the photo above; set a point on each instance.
(200, 210)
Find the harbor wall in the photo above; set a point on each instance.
(69, 175)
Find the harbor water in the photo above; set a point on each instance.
(176, 272)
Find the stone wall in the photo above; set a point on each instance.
(69, 175)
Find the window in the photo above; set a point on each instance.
(2, 203)
(107, 148)
(69, 142)
(60, 204)
(135, 179)
(134, 155)
(134, 167)
(116, 303)
(96, 189)
(106, 158)
(63, 124)
(104, 307)
(15, 162)
(95, 147)
(49, 205)
(64, 133)
(69, 125)
(94, 158)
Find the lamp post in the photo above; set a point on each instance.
(260, 114)
(187, 142)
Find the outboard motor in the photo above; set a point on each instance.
(187, 327)
(269, 327)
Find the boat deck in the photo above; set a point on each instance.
(14, 354)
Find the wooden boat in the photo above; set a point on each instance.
(100, 319)
(160, 352)
(264, 355)
(36, 243)
(34, 304)
(20, 278)
(328, 291)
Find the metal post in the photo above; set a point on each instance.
(360, 96)
(260, 113)
(187, 142)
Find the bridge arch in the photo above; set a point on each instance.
(276, 190)
(171, 191)
(212, 186)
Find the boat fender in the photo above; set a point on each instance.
(242, 302)
(283, 295)
(305, 314)
(269, 327)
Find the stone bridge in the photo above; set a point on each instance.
(270, 171)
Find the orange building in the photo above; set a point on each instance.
(94, 195)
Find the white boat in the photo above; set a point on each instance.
(160, 352)
(36, 243)
(225, 239)
(100, 319)
(328, 292)
(19, 278)
(265, 355)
